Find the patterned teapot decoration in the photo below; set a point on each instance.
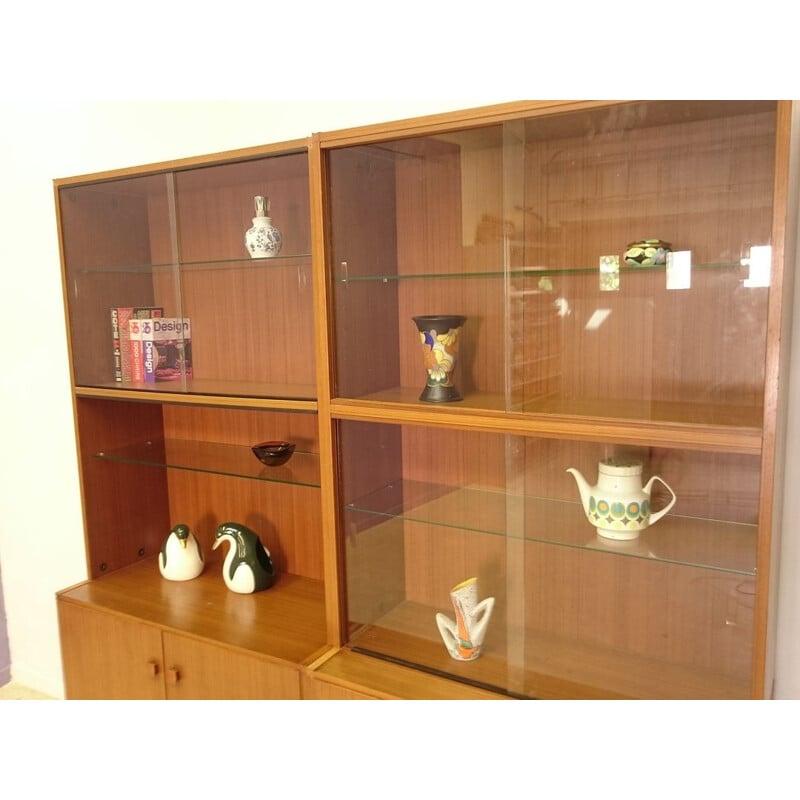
(619, 506)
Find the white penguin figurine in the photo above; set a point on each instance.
(247, 567)
(181, 558)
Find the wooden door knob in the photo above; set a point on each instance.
(153, 668)
(173, 675)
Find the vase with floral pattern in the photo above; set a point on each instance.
(263, 240)
(439, 336)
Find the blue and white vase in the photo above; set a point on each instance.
(263, 240)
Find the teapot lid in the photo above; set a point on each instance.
(619, 465)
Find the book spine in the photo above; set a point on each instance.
(135, 348)
(120, 330)
(149, 354)
(117, 345)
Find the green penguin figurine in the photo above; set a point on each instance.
(181, 558)
(247, 567)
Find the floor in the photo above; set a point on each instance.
(16, 691)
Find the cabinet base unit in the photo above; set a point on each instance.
(136, 635)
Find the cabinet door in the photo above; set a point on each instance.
(197, 670)
(106, 657)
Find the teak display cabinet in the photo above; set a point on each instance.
(516, 217)
(154, 454)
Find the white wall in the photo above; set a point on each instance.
(41, 539)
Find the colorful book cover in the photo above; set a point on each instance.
(166, 345)
(120, 336)
(135, 349)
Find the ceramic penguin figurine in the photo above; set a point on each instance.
(181, 558)
(248, 567)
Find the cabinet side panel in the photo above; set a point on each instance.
(126, 506)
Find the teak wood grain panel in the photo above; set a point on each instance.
(196, 670)
(284, 624)
(108, 657)
(285, 517)
(348, 672)
(313, 688)
(126, 507)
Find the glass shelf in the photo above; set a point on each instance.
(302, 469)
(243, 262)
(271, 393)
(717, 545)
(526, 272)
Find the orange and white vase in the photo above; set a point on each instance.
(464, 636)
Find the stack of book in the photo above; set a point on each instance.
(121, 340)
(151, 347)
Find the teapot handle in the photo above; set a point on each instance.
(657, 516)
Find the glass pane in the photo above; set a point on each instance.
(116, 237)
(173, 246)
(537, 232)
(662, 609)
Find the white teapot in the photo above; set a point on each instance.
(619, 506)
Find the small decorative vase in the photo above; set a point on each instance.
(464, 637)
(647, 253)
(263, 240)
(439, 336)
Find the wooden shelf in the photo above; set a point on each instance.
(285, 622)
(381, 679)
(731, 429)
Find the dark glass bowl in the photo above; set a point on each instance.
(273, 454)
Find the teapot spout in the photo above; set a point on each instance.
(583, 487)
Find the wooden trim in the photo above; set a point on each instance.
(333, 562)
(71, 367)
(776, 381)
(382, 679)
(665, 434)
(229, 156)
(454, 120)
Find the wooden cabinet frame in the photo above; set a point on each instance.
(178, 248)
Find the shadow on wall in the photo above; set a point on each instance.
(5, 655)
